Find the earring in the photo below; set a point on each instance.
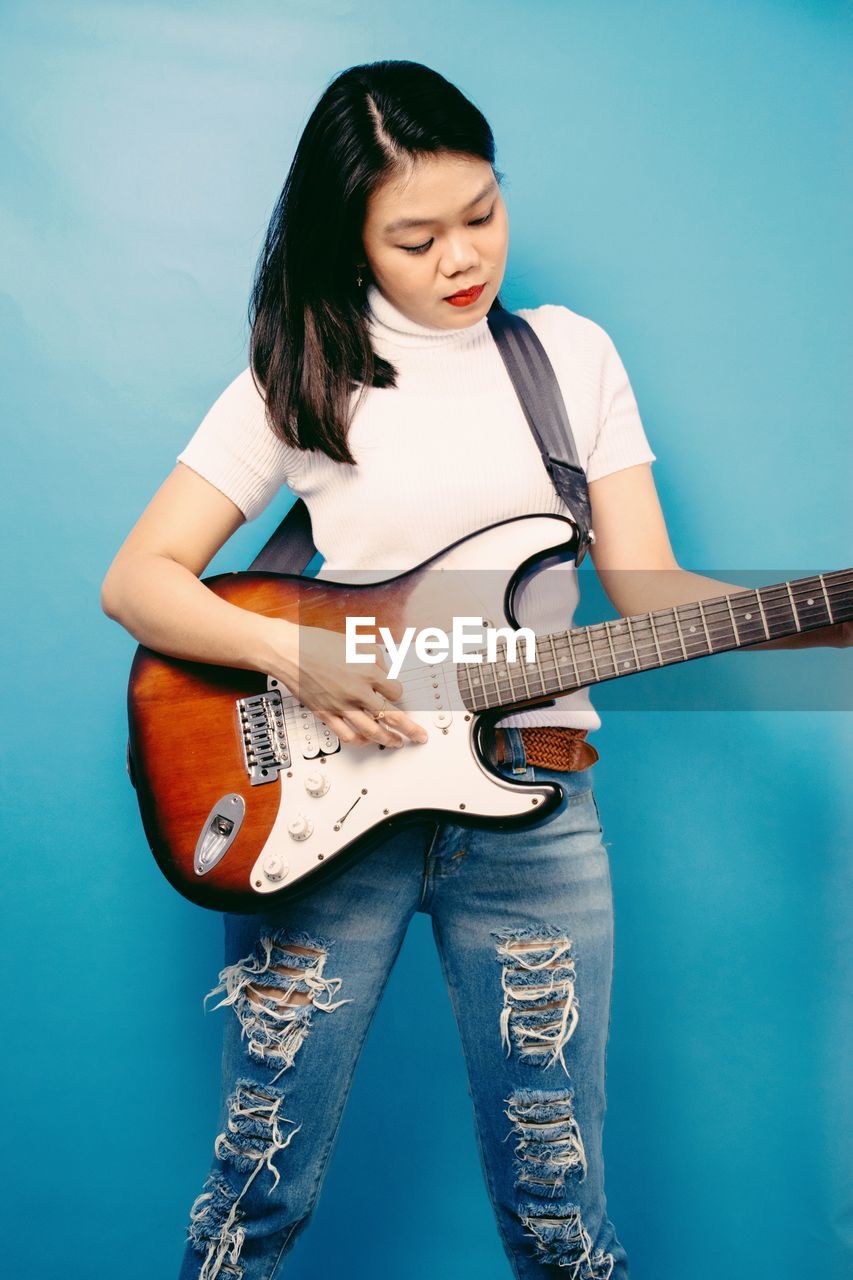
(358, 280)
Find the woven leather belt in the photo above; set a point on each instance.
(551, 747)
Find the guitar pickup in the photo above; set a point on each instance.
(315, 736)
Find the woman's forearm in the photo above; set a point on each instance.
(166, 607)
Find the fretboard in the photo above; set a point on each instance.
(581, 656)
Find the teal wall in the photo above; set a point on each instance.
(676, 171)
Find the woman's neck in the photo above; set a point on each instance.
(389, 324)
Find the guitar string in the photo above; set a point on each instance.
(422, 678)
(652, 624)
(497, 689)
(586, 663)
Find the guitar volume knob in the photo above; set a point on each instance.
(299, 827)
(274, 867)
(317, 784)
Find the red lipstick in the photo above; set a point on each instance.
(465, 297)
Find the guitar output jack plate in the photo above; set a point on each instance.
(219, 831)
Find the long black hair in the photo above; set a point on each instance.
(310, 347)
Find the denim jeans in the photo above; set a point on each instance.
(523, 924)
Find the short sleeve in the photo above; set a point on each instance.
(620, 440)
(235, 448)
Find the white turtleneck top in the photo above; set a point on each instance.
(445, 452)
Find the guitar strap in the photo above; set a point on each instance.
(291, 547)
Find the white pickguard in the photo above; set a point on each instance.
(367, 784)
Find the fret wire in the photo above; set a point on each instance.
(618, 628)
(662, 619)
(776, 607)
(523, 666)
(764, 598)
(568, 666)
(726, 602)
(774, 611)
(592, 656)
(480, 690)
(678, 629)
(592, 638)
(763, 616)
(705, 627)
(838, 585)
(488, 670)
(794, 607)
(494, 698)
(610, 642)
(556, 664)
(487, 697)
(808, 586)
(715, 633)
(498, 694)
(655, 638)
(658, 616)
(646, 622)
(637, 638)
(731, 614)
(470, 683)
(572, 656)
(604, 641)
(509, 677)
(728, 630)
(633, 645)
(539, 667)
(692, 626)
(771, 605)
(769, 602)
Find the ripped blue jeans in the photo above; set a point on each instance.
(523, 923)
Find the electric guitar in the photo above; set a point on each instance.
(247, 798)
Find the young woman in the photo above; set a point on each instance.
(376, 392)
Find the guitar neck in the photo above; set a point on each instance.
(582, 656)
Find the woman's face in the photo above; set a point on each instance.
(456, 237)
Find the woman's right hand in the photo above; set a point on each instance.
(311, 662)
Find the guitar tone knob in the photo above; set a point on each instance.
(317, 784)
(274, 866)
(299, 827)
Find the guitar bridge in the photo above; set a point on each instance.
(263, 735)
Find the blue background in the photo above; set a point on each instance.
(676, 171)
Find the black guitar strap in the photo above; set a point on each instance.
(291, 547)
(539, 391)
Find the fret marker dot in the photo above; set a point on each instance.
(747, 616)
(626, 664)
(810, 600)
(692, 628)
